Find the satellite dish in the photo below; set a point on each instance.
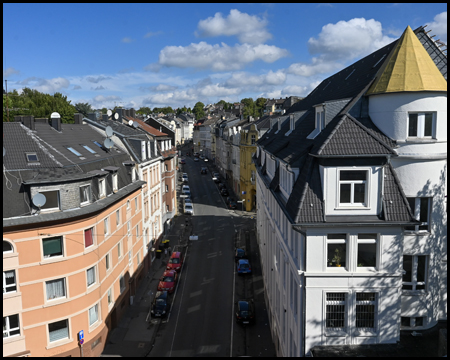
(116, 116)
(108, 143)
(109, 112)
(55, 115)
(39, 200)
(135, 124)
(130, 122)
(109, 131)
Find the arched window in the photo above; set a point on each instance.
(7, 247)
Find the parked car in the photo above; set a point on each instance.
(187, 201)
(221, 186)
(175, 261)
(224, 192)
(202, 157)
(184, 177)
(245, 311)
(203, 170)
(189, 209)
(196, 159)
(168, 281)
(243, 267)
(187, 193)
(160, 305)
(182, 161)
(196, 154)
(206, 159)
(232, 204)
(185, 187)
(216, 177)
(240, 254)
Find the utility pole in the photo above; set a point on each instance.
(7, 108)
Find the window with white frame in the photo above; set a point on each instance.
(107, 262)
(365, 311)
(115, 182)
(271, 165)
(415, 272)
(9, 281)
(55, 289)
(52, 201)
(90, 275)
(285, 179)
(336, 250)
(118, 217)
(93, 315)
(167, 188)
(7, 247)
(421, 125)
(128, 228)
(88, 237)
(11, 326)
(85, 194)
(137, 231)
(101, 187)
(130, 257)
(335, 311)
(421, 208)
(320, 118)
(413, 321)
(109, 296)
(106, 226)
(58, 330)
(52, 247)
(367, 250)
(136, 204)
(253, 139)
(119, 250)
(353, 187)
(138, 258)
(128, 204)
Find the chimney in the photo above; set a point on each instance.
(78, 118)
(105, 117)
(28, 121)
(133, 113)
(18, 118)
(92, 116)
(120, 112)
(56, 123)
(41, 120)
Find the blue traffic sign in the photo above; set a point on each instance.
(81, 335)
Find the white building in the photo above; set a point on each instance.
(351, 187)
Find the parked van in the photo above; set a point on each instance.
(175, 261)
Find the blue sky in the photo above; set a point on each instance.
(160, 55)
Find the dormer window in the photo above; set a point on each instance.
(319, 121)
(352, 187)
(291, 124)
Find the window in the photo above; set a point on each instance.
(9, 281)
(90, 276)
(51, 200)
(414, 272)
(122, 284)
(167, 188)
(335, 311)
(89, 149)
(320, 119)
(32, 157)
(93, 314)
(336, 250)
(128, 204)
(133, 174)
(365, 311)
(138, 258)
(115, 182)
(413, 321)
(52, 247)
(167, 208)
(421, 125)
(11, 326)
(352, 187)
(253, 139)
(88, 237)
(7, 247)
(137, 231)
(421, 208)
(117, 217)
(128, 228)
(136, 207)
(119, 250)
(367, 250)
(107, 262)
(130, 258)
(110, 299)
(165, 167)
(102, 187)
(58, 330)
(106, 226)
(97, 143)
(72, 150)
(56, 289)
(85, 194)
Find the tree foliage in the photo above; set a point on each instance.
(253, 108)
(84, 108)
(40, 105)
(144, 110)
(226, 105)
(164, 110)
(198, 110)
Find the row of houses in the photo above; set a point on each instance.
(85, 206)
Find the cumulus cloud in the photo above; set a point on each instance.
(163, 87)
(349, 39)
(97, 79)
(439, 26)
(100, 98)
(10, 71)
(153, 68)
(101, 101)
(248, 28)
(47, 86)
(317, 66)
(127, 40)
(218, 57)
(240, 79)
(77, 87)
(294, 90)
(150, 34)
(98, 88)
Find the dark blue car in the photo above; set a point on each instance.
(243, 267)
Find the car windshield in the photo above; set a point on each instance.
(188, 206)
(160, 302)
(174, 261)
(168, 279)
(240, 252)
(244, 266)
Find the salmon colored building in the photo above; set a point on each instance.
(73, 253)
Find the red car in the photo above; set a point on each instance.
(175, 261)
(168, 281)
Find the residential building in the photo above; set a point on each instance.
(274, 106)
(351, 203)
(73, 253)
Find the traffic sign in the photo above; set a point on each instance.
(81, 335)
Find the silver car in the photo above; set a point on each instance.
(189, 209)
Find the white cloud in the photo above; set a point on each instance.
(163, 87)
(295, 90)
(10, 71)
(439, 26)
(47, 86)
(151, 34)
(97, 79)
(318, 66)
(99, 88)
(240, 79)
(218, 57)
(76, 87)
(248, 28)
(349, 39)
(127, 40)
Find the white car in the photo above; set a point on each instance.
(189, 209)
(185, 187)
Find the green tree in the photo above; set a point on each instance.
(249, 107)
(260, 105)
(104, 110)
(198, 110)
(84, 108)
(144, 110)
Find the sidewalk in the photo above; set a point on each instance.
(136, 330)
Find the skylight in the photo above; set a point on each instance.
(89, 149)
(32, 157)
(97, 143)
(73, 151)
